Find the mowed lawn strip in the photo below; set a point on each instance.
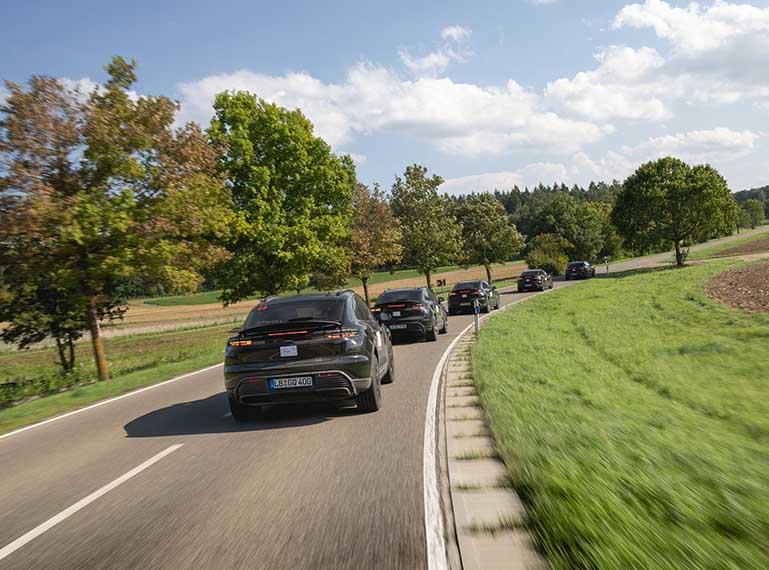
(135, 361)
(633, 415)
(725, 249)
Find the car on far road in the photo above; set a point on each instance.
(535, 280)
(463, 295)
(579, 270)
(412, 311)
(308, 348)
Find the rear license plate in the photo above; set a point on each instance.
(398, 327)
(465, 304)
(396, 313)
(464, 296)
(295, 382)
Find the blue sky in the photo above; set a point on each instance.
(486, 94)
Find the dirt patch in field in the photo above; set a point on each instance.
(746, 288)
(757, 246)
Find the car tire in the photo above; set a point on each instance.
(497, 305)
(370, 400)
(431, 335)
(445, 327)
(486, 308)
(389, 376)
(242, 412)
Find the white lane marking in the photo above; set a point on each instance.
(109, 401)
(82, 503)
(434, 531)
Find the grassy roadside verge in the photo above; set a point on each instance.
(717, 250)
(136, 361)
(632, 413)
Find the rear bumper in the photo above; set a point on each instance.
(530, 286)
(417, 326)
(458, 307)
(334, 379)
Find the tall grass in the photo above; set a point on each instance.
(633, 416)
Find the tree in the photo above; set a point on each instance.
(579, 223)
(292, 198)
(376, 234)
(488, 235)
(548, 252)
(755, 210)
(97, 189)
(431, 236)
(668, 200)
(743, 219)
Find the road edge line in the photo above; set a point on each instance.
(107, 401)
(31, 535)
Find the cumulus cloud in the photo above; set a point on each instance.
(458, 118)
(453, 49)
(718, 146)
(695, 29)
(623, 86)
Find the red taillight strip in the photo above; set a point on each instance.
(287, 333)
(396, 306)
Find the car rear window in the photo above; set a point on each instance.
(285, 311)
(467, 285)
(400, 296)
(531, 273)
(577, 264)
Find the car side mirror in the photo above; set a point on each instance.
(493, 287)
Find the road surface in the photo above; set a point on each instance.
(166, 479)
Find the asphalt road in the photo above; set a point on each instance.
(306, 487)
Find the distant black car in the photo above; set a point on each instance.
(535, 280)
(463, 294)
(579, 270)
(308, 348)
(412, 311)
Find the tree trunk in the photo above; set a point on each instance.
(428, 274)
(62, 355)
(488, 273)
(364, 281)
(99, 356)
(679, 254)
(71, 344)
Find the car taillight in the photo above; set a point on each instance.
(240, 343)
(452, 294)
(344, 333)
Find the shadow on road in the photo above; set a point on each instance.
(210, 415)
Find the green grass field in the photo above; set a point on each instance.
(717, 250)
(633, 415)
(207, 297)
(135, 361)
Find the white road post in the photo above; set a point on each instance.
(476, 315)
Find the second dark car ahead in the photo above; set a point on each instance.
(413, 311)
(465, 293)
(308, 348)
(535, 280)
(579, 270)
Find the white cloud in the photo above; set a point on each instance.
(459, 118)
(529, 175)
(455, 33)
(718, 146)
(454, 49)
(358, 159)
(622, 86)
(695, 29)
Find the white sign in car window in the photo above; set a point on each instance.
(289, 350)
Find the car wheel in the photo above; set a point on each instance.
(242, 412)
(371, 400)
(497, 305)
(486, 308)
(389, 377)
(445, 327)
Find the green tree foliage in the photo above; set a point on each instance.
(669, 201)
(97, 189)
(488, 234)
(431, 236)
(292, 198)
(755, 211)
(548, 252)
(376, 234)
(577, 222)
